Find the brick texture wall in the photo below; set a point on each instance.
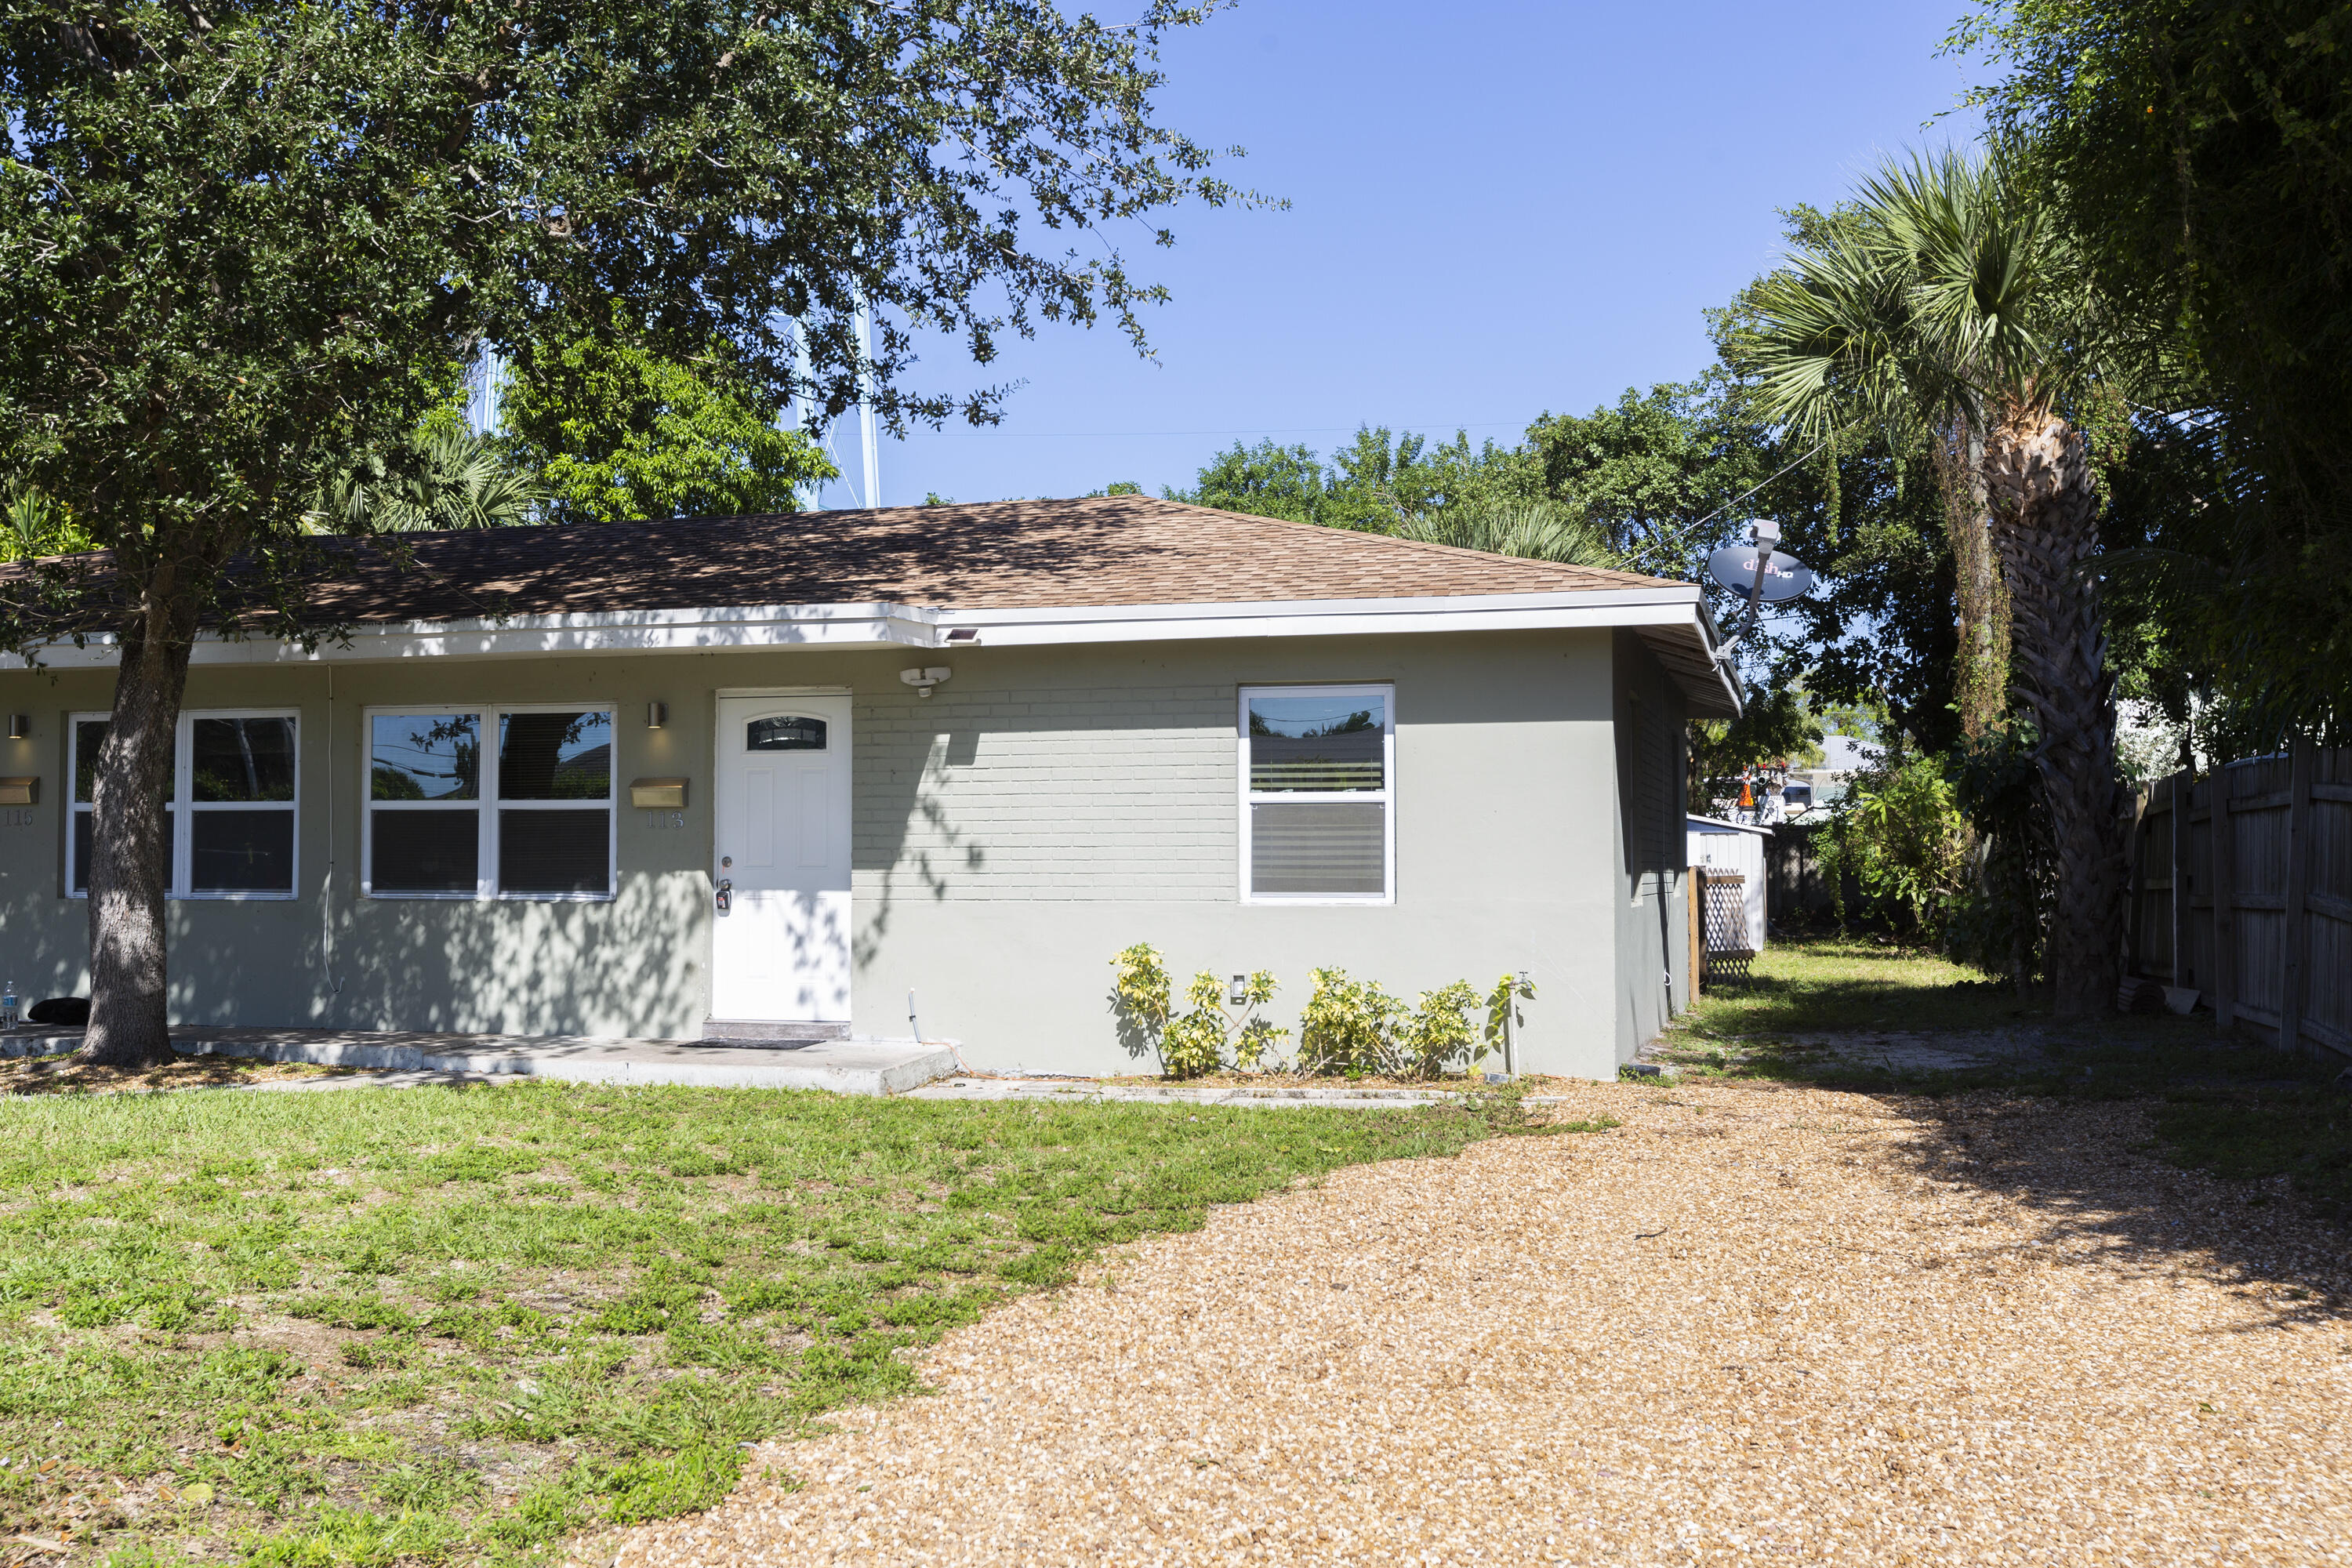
(1067, 793)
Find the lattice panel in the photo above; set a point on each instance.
(1727, 952)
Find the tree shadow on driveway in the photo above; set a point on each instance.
(2161, 1147)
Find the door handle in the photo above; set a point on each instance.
(726, 899)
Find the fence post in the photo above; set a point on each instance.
(2298, 887)
(2225, 905)
(2184, 789)
(2135, 916)
(1695, 880)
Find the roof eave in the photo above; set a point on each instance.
(1672, 615)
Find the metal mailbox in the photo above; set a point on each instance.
(657, 795)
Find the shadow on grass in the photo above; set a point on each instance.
(1840, 983)
(62, 1074)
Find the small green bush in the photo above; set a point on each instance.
(1352, 1026)
(1356, 1026)
(1193, 1043)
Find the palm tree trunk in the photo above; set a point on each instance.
(1980, 677)
(2044, 524)
(129, 870)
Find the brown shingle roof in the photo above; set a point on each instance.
(1029, 554)
(1101, 553)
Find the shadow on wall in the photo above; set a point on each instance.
(901, 798)
(45, 957)
(783, 953)
(627, 967)
(816, 930)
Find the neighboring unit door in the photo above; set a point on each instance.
(780, 948)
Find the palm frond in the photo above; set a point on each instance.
(1946, 287)
(444, 479)
(1533, 530)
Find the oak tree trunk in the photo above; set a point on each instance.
(2044, 515)
(130, 862)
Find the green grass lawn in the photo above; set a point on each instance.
(2239, 1108)
(1840, 983)
(433, 1324)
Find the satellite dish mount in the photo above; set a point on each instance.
(1759, 573)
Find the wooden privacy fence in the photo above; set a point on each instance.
(2242, 889)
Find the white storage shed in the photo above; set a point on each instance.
(1722, 846)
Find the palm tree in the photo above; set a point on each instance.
(1535, 530)
(1954, 301)
(36, 524)
(446, 478)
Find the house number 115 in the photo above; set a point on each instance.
(665, 819)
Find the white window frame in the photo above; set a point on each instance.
(1385, 796)
(180, 805)
(486, 804)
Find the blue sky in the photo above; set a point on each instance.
(1495, 210)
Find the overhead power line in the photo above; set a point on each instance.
(1407, 425)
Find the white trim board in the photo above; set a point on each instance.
(889, 624)
(783, 691)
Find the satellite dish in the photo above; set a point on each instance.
(1785, 577)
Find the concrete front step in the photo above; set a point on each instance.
(844, 1066)
(772, 1030)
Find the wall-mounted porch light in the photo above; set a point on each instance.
(656, 715)
(20, 726)
(922, 681)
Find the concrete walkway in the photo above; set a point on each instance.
(845, 1066)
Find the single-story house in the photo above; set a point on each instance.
(795, 775)
(1738, 849)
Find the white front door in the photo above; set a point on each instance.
(779, 948)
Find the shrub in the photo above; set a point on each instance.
(1348, 1025)
(1438, 1031)
(1354, 1026)
(1906, 841)
(1500, 1003)
(1195, 1042)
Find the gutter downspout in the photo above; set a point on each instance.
(327, 885)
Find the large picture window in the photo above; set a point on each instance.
(228, 825)
(488, 803)
(1317, 805)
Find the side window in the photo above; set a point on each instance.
(1317, 800)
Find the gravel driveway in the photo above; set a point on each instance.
(1754, 1322)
